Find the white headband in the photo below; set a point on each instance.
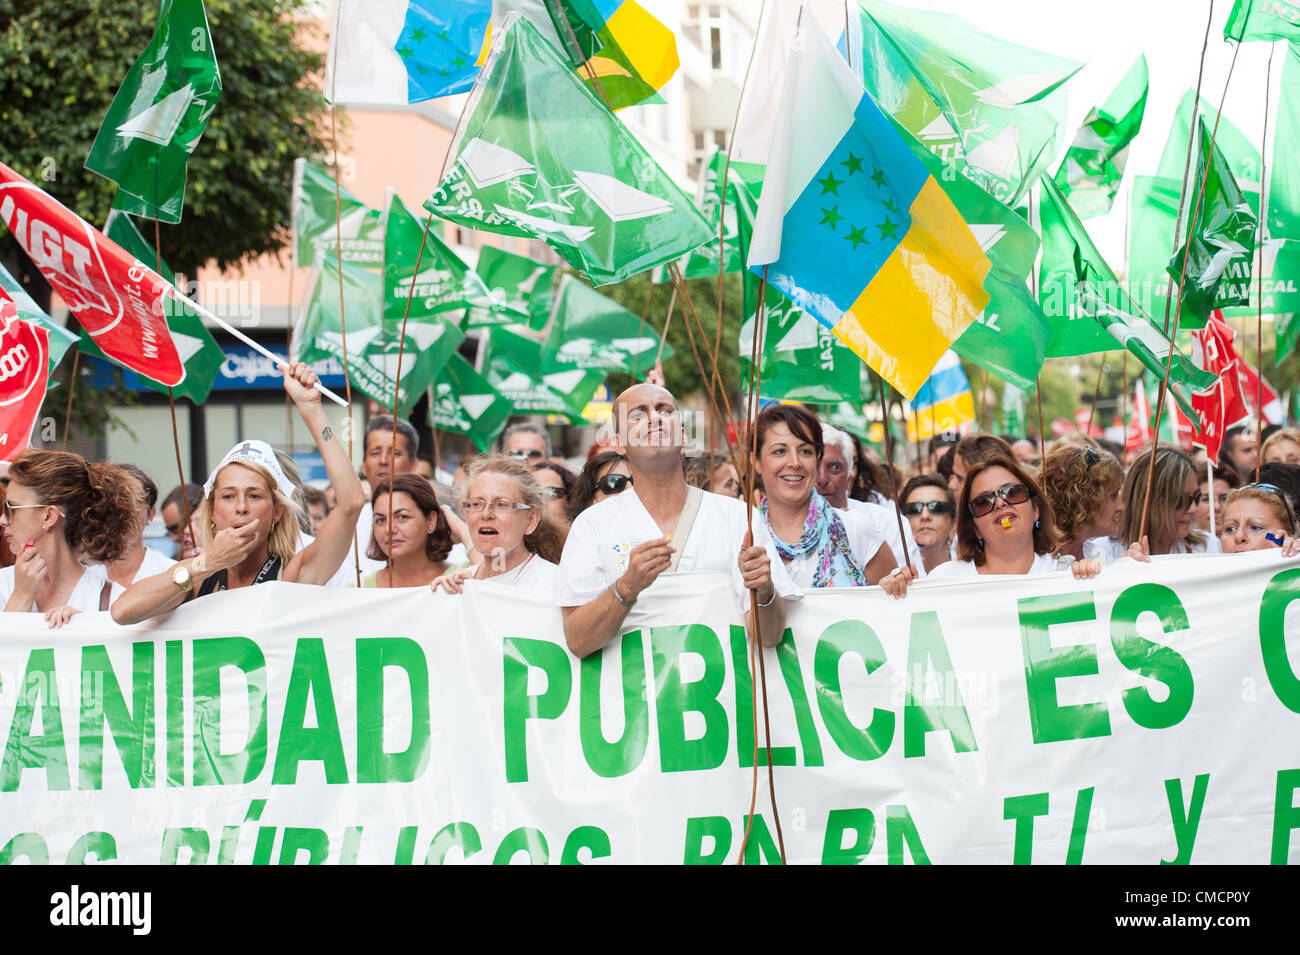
(255, 452)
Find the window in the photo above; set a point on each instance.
(715, 47)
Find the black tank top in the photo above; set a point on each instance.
(270, 571)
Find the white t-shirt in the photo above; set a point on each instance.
(154, 563)
(865, 539)
(85, 596)
(1043, 564)
(883, 516)
(536, 575)
(1107, 549)
(346, 575)
(600, 540)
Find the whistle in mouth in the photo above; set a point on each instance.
(1005, 522)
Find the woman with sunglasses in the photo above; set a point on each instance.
(415, 546)
(1175, 492)
(505, 510)
(604, 475)
(1084, 485)
(820, 546)
(557, 487)
(1258, 517)
(58, 510)
(930, 509)
(1004, 526)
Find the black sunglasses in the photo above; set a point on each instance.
(912, 508)
(613, 483)
(982, 504)
(1191, 500)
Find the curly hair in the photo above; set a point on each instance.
(968, 545)
(437, 544)
(97, 501)
(1078, 480)
(546, 540)
(1173, 468)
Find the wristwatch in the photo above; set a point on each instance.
(181, 577)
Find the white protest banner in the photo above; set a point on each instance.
(1150, 714)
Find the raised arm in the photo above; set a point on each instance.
(160, 593)
(319, 560)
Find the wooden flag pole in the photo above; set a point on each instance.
(1259, 272)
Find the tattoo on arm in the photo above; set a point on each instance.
(327, 434)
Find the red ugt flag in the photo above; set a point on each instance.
(1222, 405)
(116, 298)
(24, 359)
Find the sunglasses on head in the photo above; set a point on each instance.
(982, 504)
(1276, 492)
(913, 508)
(613, 483)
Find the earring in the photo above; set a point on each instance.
(1035, 525)
(980, 540)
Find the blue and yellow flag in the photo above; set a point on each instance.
(854, 229)
(943, 402)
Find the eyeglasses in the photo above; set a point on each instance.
(500, 508)
(533, 455)
(10, 507)
(554, 493)
(1191, 500)
(982, 504)
(912, 508)
(613, 483)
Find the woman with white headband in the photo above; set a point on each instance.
(249, 521)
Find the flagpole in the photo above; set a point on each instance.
(1096, 396)
(171, 397)
(1124, 405)
(72, 384)
(1209, 475)
(1259, 272)
(1182, 280)
(889, 457)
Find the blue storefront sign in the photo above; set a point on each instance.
(244, 369)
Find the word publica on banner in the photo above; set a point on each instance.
(468, 737)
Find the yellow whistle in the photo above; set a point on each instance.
(1006, 522)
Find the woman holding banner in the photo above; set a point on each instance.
(59, 509)
(508, 525)
(1258, 517)
(417, 542)
(1004, 526)
(821, 546)
(250, 523)
(1175, 492)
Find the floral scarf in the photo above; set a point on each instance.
(825, 542)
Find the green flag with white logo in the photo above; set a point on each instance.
(158, 114)
(590, 330)
(444, 283)
(512, 364)
(519, 288)
(1220, 235)
(1013, 410)
(373, 352)
(1283, 176)
(538, 155)
(315, 229)
(464, 403)
(1101, 298)
(702, 263)
(198, 350)
(992, 107)
(1263, 20)
(1092, 169)
(13, 295)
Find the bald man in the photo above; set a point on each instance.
(617, 549)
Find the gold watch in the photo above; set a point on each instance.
(181, 577)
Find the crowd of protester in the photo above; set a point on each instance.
(824, 512)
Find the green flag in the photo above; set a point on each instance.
(158, 114)
(464, 403)
(1263, 20)
(1101, 297)
(1242, 155)
(1286, 331)
(1283, 176)
(802, 359)
(850, 416)
(314, 229)
(512, 364)
(1092, 169)
(592, 331)
(372, 355)
(198, 350)
(993, 107)
(1013, 410)
(12, 294)
(702, 263)
(519, 287)
(1220, 235)
(539, 156)
(444, 284)
(1009, 338)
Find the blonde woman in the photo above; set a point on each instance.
(1175, 493)
(250, 523)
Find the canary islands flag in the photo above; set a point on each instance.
(854, 230)
(943, 402)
